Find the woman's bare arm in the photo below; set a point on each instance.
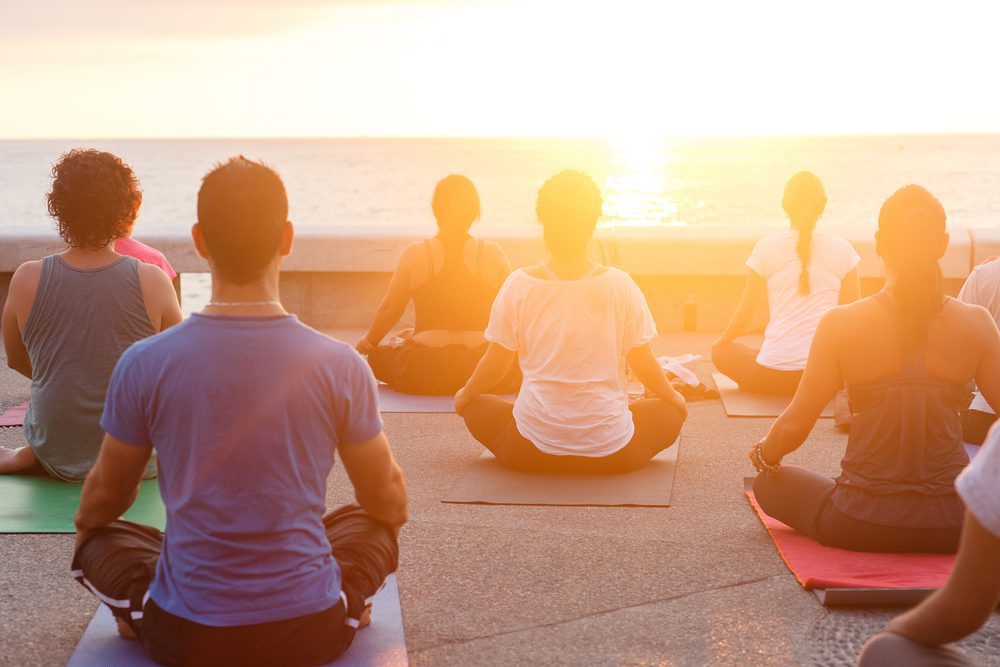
(647, 368)
(393, 304)
(490, 370)
(821, 381)
(988, 370)
(754, 293)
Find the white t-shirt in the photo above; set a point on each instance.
(571, 337)
(794, 316)
(982, 288)
(978, 484)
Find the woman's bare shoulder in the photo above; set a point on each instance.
(969, 316)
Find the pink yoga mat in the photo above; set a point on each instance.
(816, 566)
(14, 416)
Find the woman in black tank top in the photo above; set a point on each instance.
(452, 279)
(906, 355)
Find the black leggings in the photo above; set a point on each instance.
(119, 560)
(976, 425)
(490, 420)
(739, 362)
(803, 500)
(413, 368)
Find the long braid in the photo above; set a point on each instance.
(804, 202)
(804, 249)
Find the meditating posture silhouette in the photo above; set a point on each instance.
(906, 355)
(799, 274)
(574, 327)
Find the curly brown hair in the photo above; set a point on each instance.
(94, 199)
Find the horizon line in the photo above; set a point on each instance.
(507, 137)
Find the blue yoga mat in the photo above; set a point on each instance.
(381, 644)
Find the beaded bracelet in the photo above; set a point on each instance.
(758, 461)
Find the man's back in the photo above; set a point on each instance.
(245, 414)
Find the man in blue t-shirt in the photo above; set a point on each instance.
(244, 406)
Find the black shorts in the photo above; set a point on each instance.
(117, 563)
(413, 368)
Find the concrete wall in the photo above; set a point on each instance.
(336, 276)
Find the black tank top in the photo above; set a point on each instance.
(454, 298)
(905, 447)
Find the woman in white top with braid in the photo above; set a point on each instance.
(799, 274)
(574, 326)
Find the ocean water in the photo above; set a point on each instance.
(370, 182)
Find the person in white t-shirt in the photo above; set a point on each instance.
(799, 274)
(981, 288)
(574, 327)
(921, 636)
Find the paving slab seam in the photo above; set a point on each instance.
(595, 614)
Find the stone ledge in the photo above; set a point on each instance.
(663, 251)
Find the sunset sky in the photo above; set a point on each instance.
(197, 68)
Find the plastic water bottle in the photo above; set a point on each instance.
(690, 313)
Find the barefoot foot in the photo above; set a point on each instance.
(366, 618)
(125, 630)
(16, 460)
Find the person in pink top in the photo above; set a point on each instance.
(144, 253)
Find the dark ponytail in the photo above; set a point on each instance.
(911, 226)
(804, 202)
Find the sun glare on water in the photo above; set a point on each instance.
(638, 184)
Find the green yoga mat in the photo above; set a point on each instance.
(35, 504)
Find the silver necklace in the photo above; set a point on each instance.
(242, 304)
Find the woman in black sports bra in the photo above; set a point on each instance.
(907, 355)
(452, 279)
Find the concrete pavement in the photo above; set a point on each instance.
(694, 584)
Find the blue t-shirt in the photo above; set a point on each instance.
(244, 414)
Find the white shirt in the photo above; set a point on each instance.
(978, 487)
(982, 288)
(571, 337)
(794, 316)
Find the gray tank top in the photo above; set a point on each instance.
(905, 447)
(80, 323)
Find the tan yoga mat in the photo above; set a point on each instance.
(744, 404)
(486, 482)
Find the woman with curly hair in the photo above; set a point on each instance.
(573, 326)
(69, 316)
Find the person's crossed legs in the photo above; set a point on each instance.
(490, 420)
(803, 500)
(117, 564)
(739, 362)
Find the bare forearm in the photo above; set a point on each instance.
(488, 374)
(969, 597)
(385, 318)
(784, 437)
(389, 505)
(655, 380)
(100, 505)
(736, 327)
